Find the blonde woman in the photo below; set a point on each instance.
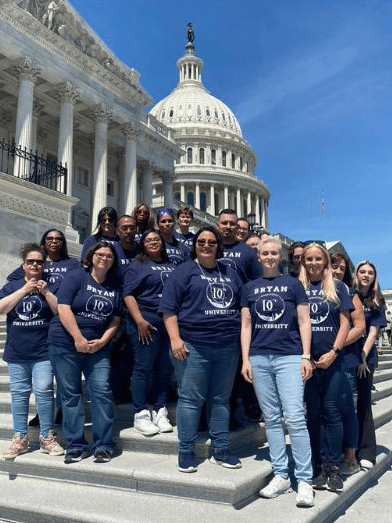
(328, 391)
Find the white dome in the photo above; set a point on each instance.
(191, 103)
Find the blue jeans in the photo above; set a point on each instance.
(68, 366)
(280, 390)
(327, 394)
(146, 356)
(349, 419)
(23, 377)
(207, 374)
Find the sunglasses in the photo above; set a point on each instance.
(32, 261)
(210, 243)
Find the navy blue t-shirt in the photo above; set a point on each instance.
(273, 306)
(95, 238)
(325, 317)
(145, 281)
(206, 302)
(178, 252)
(352, 353)
(27, 326)
(186, 239)
(244, 260)
(373, 318)
(124, 259)
(93, 304)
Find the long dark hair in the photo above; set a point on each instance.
(112, 215)
(88, 259)
(149, 223)
(208, 228)
(64, 249)
(142, 257)
(336, 257)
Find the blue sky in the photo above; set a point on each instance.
(311, 84)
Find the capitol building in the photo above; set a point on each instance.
(218, 169)
(76, 134)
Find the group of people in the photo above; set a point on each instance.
(213, 305)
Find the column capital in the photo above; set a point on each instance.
(148, 167)
(102, 113)
(130, 130)
(68, 93)
(168, 176)
(28, 69)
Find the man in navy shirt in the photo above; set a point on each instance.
(244, 260)
(127, 246)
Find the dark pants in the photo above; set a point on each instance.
(367, 435)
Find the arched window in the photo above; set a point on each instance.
(216, 203)
(224, 158)
(241, 163)
(203, 201)
(177, 196)
(189, 155)
(208, 111)
(213, 157)
(201, 155)
(190, 199)
(233, 161)
(171, 112)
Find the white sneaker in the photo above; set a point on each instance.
(142, 422)
(366, 464)
(278, 485)
(305, 495)
(161, 420)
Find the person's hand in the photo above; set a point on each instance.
(145, 330)
(30, 286)
(306, 369)
(81, 345)
(94, 346)
(42, 287)
(363, 368)
(179, 350)
(246, 371)
(326, 360)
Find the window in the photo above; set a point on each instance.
(110, 188)
(198, 110)
(203, 201)
(213, 157)
(208, 111)
(189, 155)
(81, 176)
(171, 112)
(190, 199)
(245, 206)
(177, 196)
(224, 158)
(201, 155)
(233, 161)
(241, 163)
(163, 114)
(216, 202)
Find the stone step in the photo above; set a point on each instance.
(50, 499)
(382, 375)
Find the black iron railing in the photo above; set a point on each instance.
(33, 168)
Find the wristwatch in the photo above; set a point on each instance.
(336, 349)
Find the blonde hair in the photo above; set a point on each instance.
(328, 284)
(270, 239)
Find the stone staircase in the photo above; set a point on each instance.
(141, 484)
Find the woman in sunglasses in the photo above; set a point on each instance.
(106, 225)
(30, 305)
(177, 251)
(200, 307)
(143, 218)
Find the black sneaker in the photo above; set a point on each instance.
(319, 482)
(75, 455)
(225, 459)
(334, 481)
(187, 462)
(102, 456)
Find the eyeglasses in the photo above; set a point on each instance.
(50, 239)
(104, 256)
(32, 261)
(155, 240)
(210, 243)
(162, 210)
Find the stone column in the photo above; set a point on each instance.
(148, 171)
(197, 195)
(257, 209)
(102, 116)
(68, 95)
(239, 203)
(249, 203)
(182, 194)
(226, 196)
(129, 196)
(212, 199)
(168, 179)
(28, 72)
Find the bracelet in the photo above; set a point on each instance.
(305, 357)
(336, 350)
